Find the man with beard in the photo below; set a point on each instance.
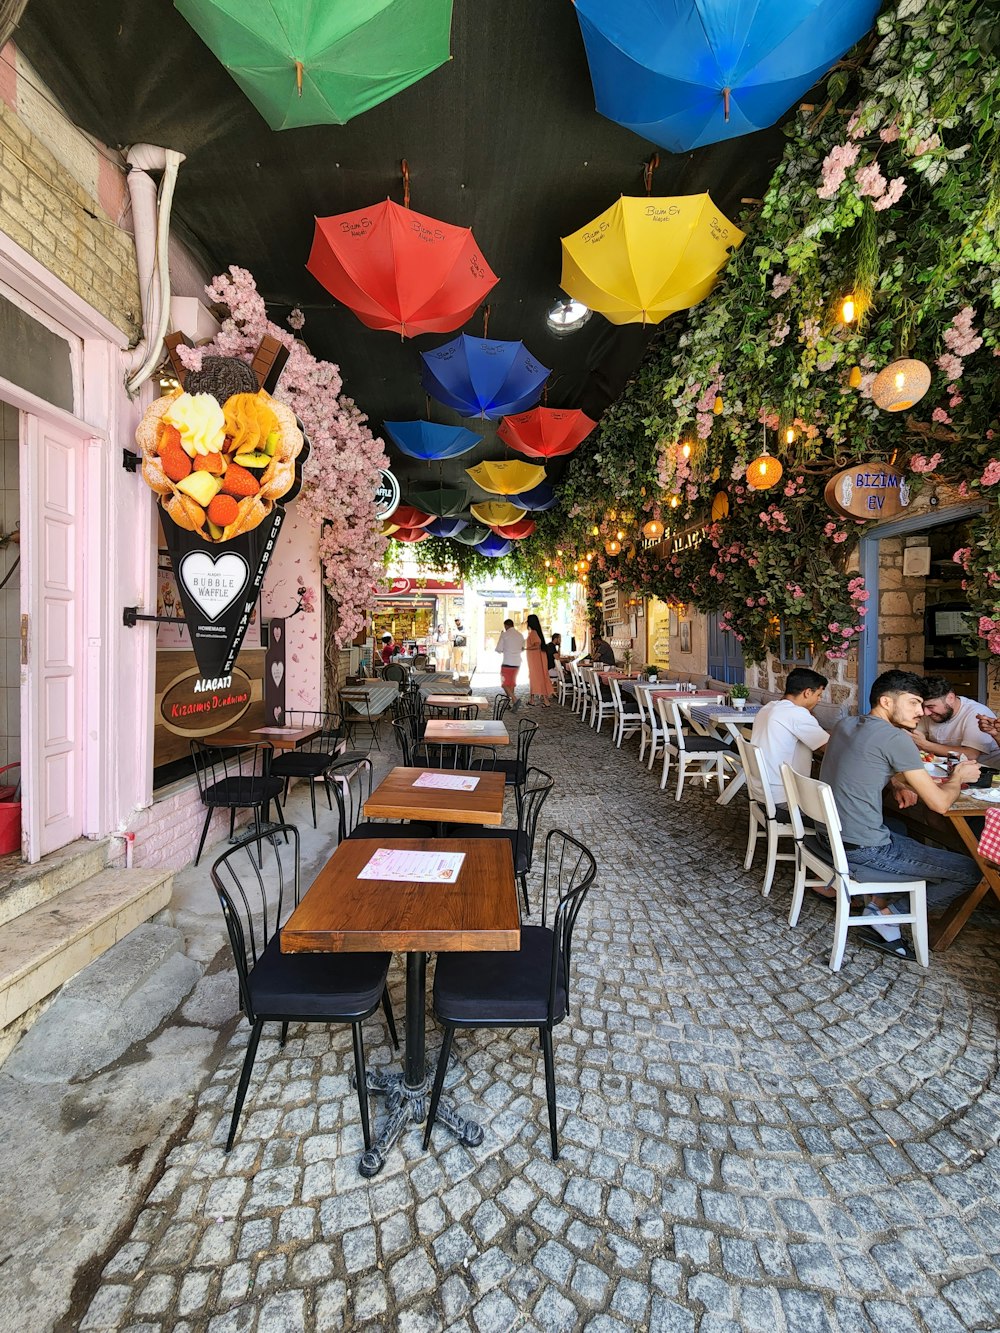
(951, 724)
(863, 755)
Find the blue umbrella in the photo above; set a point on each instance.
(446, 527)
(538, 498)
(494, 545)
(481, 378)
(690, 72)
(427, 440)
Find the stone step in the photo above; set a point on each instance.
(50, 943)
(28, 886)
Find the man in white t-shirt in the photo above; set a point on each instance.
(785, 730)
(510, 645)
(951, 724)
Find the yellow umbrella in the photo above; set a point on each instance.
(506, 476)
(388, 528)
(497, 514)
(642, 259)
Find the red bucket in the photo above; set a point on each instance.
(10, 812)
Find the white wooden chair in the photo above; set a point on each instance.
(764, 821)
(581, 704)
(601, 705)
(565, 685)
(651, 733)
(809, 797)
(701, 757)
(628, 718)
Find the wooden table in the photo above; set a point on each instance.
(945, 930)
(279, 738)
(342, 914)
(397, 798)
(442, 730)
(457, 701)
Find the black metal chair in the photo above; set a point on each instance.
(394, 672)
(234, 779)
(257, 897)
(538, 785)
(318, 759)
(389, 828)
(501, 703)
(516, 769)
(526, 988)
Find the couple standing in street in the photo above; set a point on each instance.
(511, 645)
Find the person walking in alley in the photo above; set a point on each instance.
(539, 684)
(510, 646)
(458, 642)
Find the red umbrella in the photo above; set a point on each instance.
(410, 535)
(545, 432)
(524, 527)
(405, 516)
(399, 270)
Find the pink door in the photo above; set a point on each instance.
(51, 458)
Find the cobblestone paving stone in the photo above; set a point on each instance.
(749, 1141)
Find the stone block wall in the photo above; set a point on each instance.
(901, 603)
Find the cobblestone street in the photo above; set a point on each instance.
(749, 1141)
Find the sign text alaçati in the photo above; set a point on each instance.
(193, 705)
(386, 493)
(868, 490)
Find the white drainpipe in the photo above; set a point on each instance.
(151, 224)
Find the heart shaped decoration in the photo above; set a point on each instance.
(213, 583)
(276, 631)
(278, 714)
(277, 672)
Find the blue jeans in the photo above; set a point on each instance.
(948, 874)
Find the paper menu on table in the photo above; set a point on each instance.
(463, 726)
(277, 731)
(414, 867)
(449, 781)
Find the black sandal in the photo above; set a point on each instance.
(897, 948)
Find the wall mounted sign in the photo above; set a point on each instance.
(274, 674)
(194, 706)
(386, 493)
(609, 595)
(400, 586)
(867, 490)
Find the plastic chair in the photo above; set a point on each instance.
(628, 716)
(234, 779)
(526, 988)
(809, 797)
(764, 821)
(703, 758)
(276, 987)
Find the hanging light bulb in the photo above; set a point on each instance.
(790, 435)
(612, 547)
(589, 556)
(685, 450)
(674, 501)
(847, 309)
(652, 529)
(901, 384)
(620, 535)
(548, 563)
(551, 580)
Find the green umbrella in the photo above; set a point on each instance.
(441, 501)
(471, 535)
(303, 63)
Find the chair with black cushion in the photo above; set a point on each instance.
(515, 769)
(538, 784)
(234, 779)
(257, 881)
(526, 988)
(628, 715)
(318, 759)
(389, 828)
(501, 702)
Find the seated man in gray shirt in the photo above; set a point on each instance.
(863, 755)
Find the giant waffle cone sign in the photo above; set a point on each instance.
(222, 465)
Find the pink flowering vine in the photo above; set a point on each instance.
(835, 167)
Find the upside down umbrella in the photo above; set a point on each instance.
(642, 259)
(478, 377)
(524, 527)
(439, 501)
(410, 535)
(406, 516)
(537, 499)
(506, 476)
(496, 514)
(545, 432)
(313, 64)
(690, 72)
(399, 270)
(494, 546)
(426, 440)
(473, 534)
(446, 527)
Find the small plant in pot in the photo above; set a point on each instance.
(738, 696)
(652, 671)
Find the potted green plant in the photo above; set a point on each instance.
(738, 696)
(652, 671)
(627, 659)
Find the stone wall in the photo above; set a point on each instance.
(900, 608)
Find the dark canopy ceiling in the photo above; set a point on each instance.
(503, 138)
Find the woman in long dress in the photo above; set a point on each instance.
(539, 684)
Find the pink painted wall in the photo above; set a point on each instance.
(296, 564)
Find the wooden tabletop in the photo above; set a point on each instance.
(397, 798)
(280, 738)
(458, 732)
(457, 700)
(342, 914)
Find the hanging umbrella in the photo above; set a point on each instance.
(496, 514)
(386, 528)
(524, 527)
(399, 270)
(537, 499)
(406, 516)
(481, 378)
(410, 535)
(545, 432)
(684, 73)
(309, 64)
(506, 476)
(472, 535)
(426, 440)
(642, 259)
(494, 546)
(440, 501)
(446, 527)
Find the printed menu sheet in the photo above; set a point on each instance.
(449, 781)
(414, 867)
(277, 731)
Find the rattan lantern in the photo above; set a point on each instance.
(653, 529)
(764, 472)
(901, 384)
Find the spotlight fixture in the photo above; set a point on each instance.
(567, 315)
